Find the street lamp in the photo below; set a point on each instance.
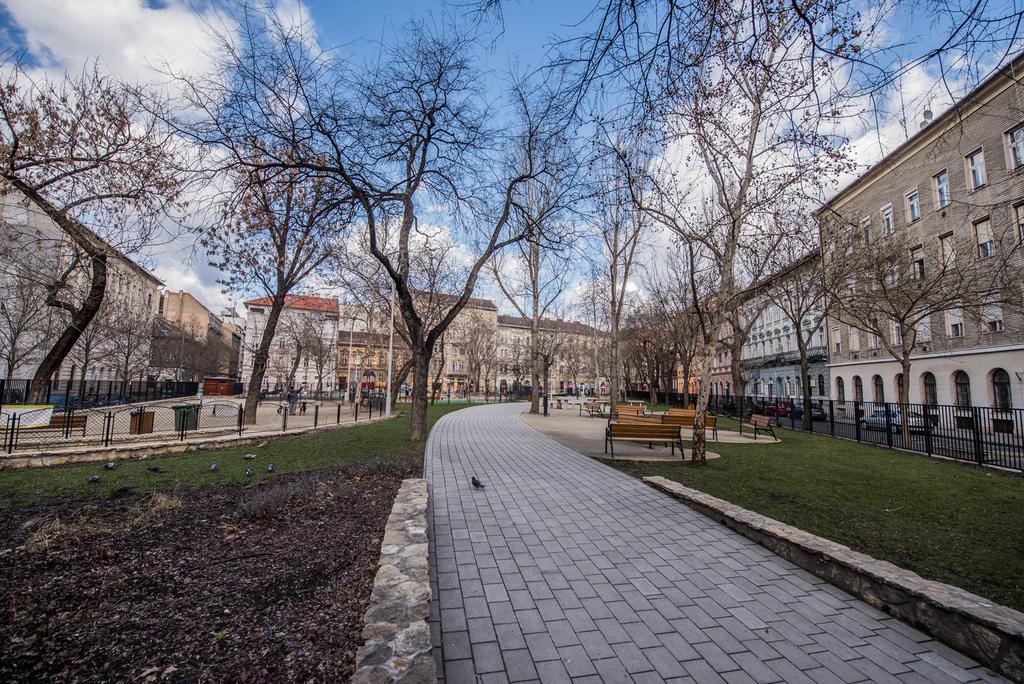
(391, 354)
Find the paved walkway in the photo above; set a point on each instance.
(564, 568)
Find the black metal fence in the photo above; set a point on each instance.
(978, 434)
(85, 394)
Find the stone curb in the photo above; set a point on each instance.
(398, 646)
(988, 632)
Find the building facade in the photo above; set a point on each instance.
(951, 195)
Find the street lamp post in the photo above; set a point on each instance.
(351, 333)
(391, 354)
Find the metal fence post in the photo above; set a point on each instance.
(284, 419)
(927, 429)
(832, 417)
(888, 425)
(316, 415)
(108, 431)
(979, 450)
(339, 414)
(355, 406)
(241, 418)
(856, 418)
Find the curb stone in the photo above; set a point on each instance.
(398, 646)
(990, 633)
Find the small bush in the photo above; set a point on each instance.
(270, 501)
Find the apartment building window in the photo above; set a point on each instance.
(858, 389)
(888, 225)
(976, 169)
(894, 271)
(851, 286)
(947, 250)
(897, 333)
(1015, 143)
(854, 340)
(1018, 217)
(955, 322)
(837, 341)
(993, 314)
(912, 203)
(931, 389)
(941, 183)
(962, 383)
(865, 228)
(873, 341)
(983, 234)
(840, 390)
(924, 330)
(917, 261)
(1001, 396)
(457, 366)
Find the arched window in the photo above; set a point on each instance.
(879, 389)
(899, 386)
(931, 392)
(840, 389)
(821, 385)
(962, 382)
(858, 389)
(1001, 398)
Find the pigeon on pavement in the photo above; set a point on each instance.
(477, 483)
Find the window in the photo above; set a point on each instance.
(924, 330)
(993, 315)
(851, 286)
(941, 184)
(1001, 398)
(873, 341)
(879, 388)
(837, 341)
(894, 272)
(897, 333)
(983, 234)
(899, 386)
(888, 225)
(962, 383)
(976, 170)
(931, 393)
(1015, 143)
(854, 340)
(917, 261)
(1018, 217)
(865, 228)
(947, 250)
(840, 390)
(912, 203)
(821, 385)
(955, 322)
(858, 389)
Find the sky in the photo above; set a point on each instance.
(130, 37)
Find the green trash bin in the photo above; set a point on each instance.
(186, 417)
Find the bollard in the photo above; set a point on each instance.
(316, 415)
(338, 422)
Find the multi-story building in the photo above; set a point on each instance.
(951, 196)
(197, 332)
(573, 364)
(304, 352)
(115, 345)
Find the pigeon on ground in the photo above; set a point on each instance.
(203, 447)
(249, 457)
(110, 466)
(143, 457)
(248, 471)
(270, 467)
(261, 444)
(94, 478)
(156, 469)
(213, 467)
(477, 483)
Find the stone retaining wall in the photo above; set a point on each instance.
(398, 647)
(988, 632)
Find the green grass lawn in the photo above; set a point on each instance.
(309, 452)
(947, 522)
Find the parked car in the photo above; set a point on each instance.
(817, 412)
(780, 409)
(877, 420)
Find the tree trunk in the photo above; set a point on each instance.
(418, 410)
(80, 320)
(399, 379)
(652, 387)
(259, 361)
(805, 383)
(904, 398)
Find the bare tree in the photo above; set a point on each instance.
(130, 330)
(85, 156)
(26, 323)
(479, 342)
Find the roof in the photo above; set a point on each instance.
(546, 324)
(935, 128)
(472, 303)
(305, 302)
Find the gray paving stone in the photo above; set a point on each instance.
(564, 568)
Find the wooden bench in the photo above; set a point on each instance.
(686, 421)
(58, 421)
(624, 410)
(762, 423)
(592, 408)
(650, 433)
(635, 419)
(681, 412)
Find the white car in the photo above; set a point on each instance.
(877, 421)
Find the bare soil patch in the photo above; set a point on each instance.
(218, 583)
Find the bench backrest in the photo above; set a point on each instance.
(759, 421)
(63, 420)
(680, 412)
(634, 419)
(687, 420)
(629, 410)
(644, 430)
